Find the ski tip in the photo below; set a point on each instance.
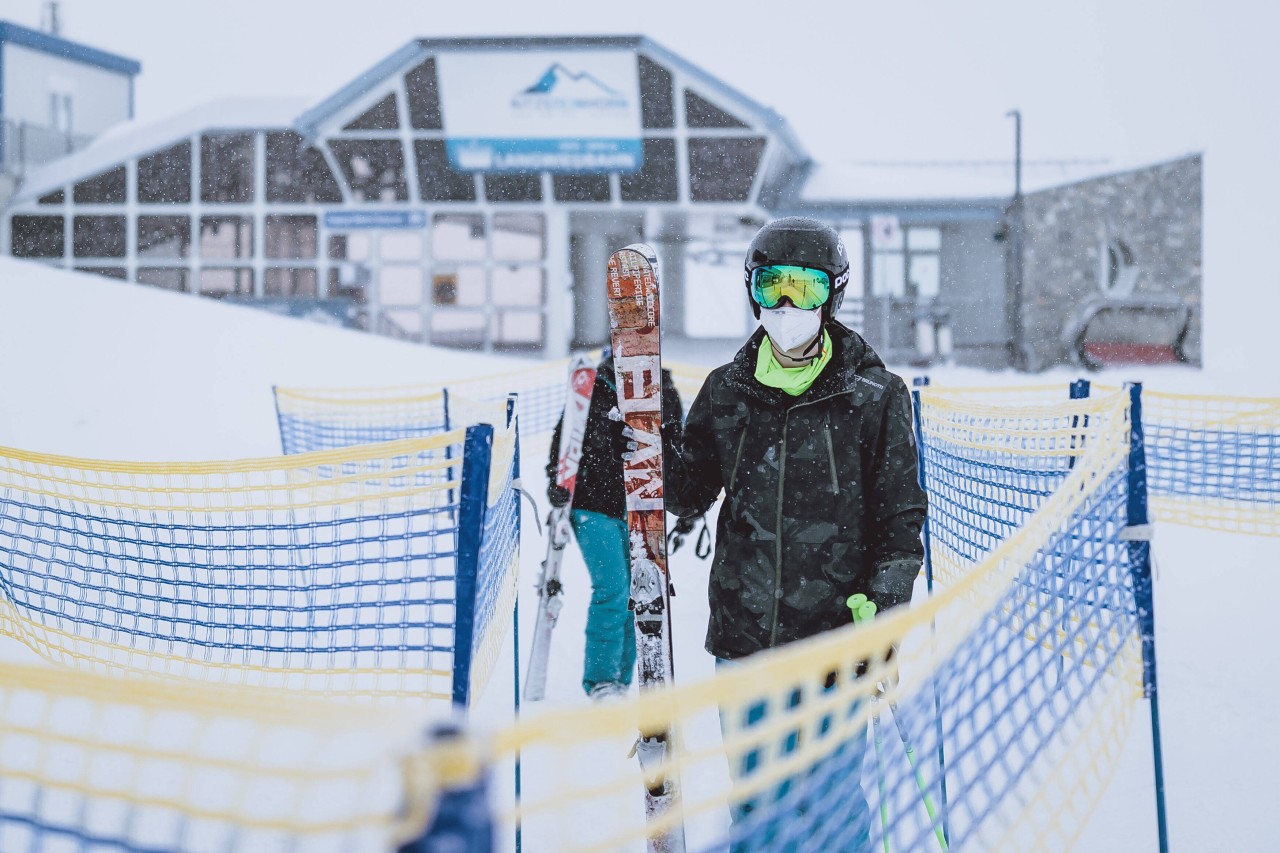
(641, 249)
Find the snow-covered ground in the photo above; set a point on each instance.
(98, 368)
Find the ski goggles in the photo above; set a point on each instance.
(807, 288)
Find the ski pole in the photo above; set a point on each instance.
(879, 742)
(864, 611)
(920, 783)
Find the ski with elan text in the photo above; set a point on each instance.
(573, 426)
(635, 321)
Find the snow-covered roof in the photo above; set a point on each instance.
(133, 139)
(912, 182)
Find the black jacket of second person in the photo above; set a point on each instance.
(599, 485)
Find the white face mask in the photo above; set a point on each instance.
(791, 327)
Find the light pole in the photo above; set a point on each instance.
(1015, 229)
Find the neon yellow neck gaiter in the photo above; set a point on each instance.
(794, 380)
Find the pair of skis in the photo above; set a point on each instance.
(635, 324)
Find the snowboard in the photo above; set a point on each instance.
(635, 321)
(573, 426)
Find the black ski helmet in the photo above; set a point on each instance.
(805, 242)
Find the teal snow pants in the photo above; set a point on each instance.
(611, 636)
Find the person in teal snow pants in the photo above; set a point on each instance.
(599, 522)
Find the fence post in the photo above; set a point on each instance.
(923, 382)
(477, 453)
(513, 423)
(1139, 543)
(463, 820)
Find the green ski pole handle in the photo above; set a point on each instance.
(862, 608)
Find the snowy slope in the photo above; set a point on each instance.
(100, 368)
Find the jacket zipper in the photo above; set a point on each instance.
(782, 471)
(737, 458)
(831, 457)
(777, 536)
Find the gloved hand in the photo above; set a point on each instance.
(684, 526)
(558, 495)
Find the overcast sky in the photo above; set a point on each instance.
(1129, 80)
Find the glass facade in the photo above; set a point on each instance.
(366, 208)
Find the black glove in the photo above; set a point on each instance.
(558, 495)
(684, 526)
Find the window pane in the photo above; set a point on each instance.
(105, 272)
(374, 168)
(226, 237)
(401, 246)
(289, 281)
(723, 169)
(167, 279)
(469, 286)
(925, 275)
(56, 197)
(290, 237)
(657, 97)
(107, 188)
(437, 181)
(348, 281)
(424, 97)
(165, 177)
(517, 286)
(517, 330)
(400, 286)
(888, 274)
(37, 236)
(381, 116)
(401, 323)
(458, 328)
(458, 237)
(517, 237)
(656, 180)
(297, 173)
(98, 237)
(699, 112)
(581, 187)
(226, 168)
(226, 282)
(924, 239)
(518, 187)
(164, 236)
(856, 288)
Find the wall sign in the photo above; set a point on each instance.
(541, 110)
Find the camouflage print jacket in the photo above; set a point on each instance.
(821, 497)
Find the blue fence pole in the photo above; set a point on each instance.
(477, 455)
(1140, 565)
(921, 382)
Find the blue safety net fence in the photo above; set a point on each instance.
(333, 571)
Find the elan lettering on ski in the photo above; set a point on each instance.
(635, 320)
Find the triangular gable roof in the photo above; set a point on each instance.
(319, 118)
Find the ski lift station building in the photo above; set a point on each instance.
(467, 192)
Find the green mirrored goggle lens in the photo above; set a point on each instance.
(806, 288)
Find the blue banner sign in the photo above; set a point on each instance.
(343, 220)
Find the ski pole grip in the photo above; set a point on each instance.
(862, 609)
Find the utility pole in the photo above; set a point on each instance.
(1015, 228)
(53, 26)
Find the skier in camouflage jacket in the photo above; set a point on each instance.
(821, 495)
